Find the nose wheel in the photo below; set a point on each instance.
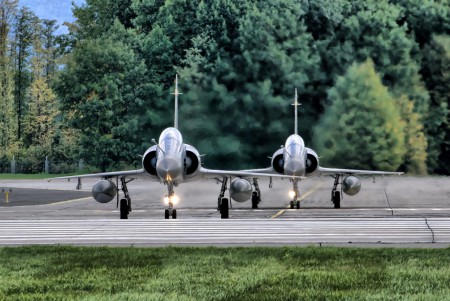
(170, 212)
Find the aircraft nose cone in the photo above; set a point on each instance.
(168, 168)
(294, 168)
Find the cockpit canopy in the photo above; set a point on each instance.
(171, 141)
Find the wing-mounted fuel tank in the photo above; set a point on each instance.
(104, 191)
(312, 161)
(240, 190)
(149, 160)
(192, 161)
(278, 161)
(351, 185)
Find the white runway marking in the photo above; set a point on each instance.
(227, 232)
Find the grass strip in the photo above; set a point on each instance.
(35, 176)
(256, 273)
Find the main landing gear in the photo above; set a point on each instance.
(170, 200)
(222, 202)
(294, 194)
(125, 203)
(256, 195)
(335, 194)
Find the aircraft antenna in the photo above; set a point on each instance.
(176, 93)
(296, 104)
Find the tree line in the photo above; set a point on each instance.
(373, 79)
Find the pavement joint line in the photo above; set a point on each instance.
(387, 200)
(432, 232)
(306, 194)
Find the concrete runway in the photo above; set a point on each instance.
(391, 211)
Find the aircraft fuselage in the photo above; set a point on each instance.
(294, 156)
(169, 164)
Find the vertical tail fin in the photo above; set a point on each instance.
(176, 93)
(296, 104)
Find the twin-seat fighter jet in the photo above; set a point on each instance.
(172, 162)
(295, 160)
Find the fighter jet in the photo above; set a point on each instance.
(171, 161)
(298, 161)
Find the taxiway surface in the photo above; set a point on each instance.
(393, 210)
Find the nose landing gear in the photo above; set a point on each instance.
(294, 194)
(170, 199)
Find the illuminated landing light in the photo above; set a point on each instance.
(292, 194)
(173, 199)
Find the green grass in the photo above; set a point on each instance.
(172, 273)
(39, 176)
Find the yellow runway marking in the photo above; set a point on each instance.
(305, 195)
(70, 201)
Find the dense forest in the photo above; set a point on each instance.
(373, 78)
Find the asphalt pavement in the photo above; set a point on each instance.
(408, 210)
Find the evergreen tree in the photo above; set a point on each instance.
(25, 30)
(39, 123)
(362, 127)
(48, 47)
(425, 18)
(415, 158)
(7, 113)
(7, 12)
(371, 29)
(436, 73)
(96, 17)
(246, 69)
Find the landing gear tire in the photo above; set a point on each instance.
(337, 199)
(292, 204)
(297, 205)
(124, 209)
(224, 208)
(174, 214)
(255, 200)
(166, 214)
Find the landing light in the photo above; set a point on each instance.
(175, 199)
(292, 194)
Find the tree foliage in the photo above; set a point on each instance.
(101, 87)
(436, 73)
(362, 126)
(8, 120)
(108, 80)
